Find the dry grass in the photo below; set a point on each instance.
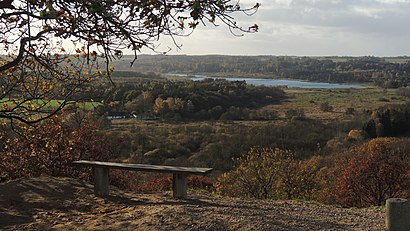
(339, 99)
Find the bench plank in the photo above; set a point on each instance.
(145, 167)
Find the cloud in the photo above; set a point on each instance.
(357, 16)
(311, 27)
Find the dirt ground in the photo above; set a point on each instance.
(46, 203)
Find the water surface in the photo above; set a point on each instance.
(281, 82)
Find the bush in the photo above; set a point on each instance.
(380, 169)
(48, 148)
(356, 135)
(156, 183)
(403, 91)
(161, 182)
(297, 114)
(350, 111)
(326, 107)
(268, 174)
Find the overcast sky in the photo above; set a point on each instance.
(311, 28)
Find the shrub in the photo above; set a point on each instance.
(200, 182)
(156, 183)
(380, 169)
(125, 180)
(300, 180)
(326, 107)
(48, 148)
(404, 91)
(295, 114)
(350, 111)
(268, 174)
(161, 182)
(356, 135)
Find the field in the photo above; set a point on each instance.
(337, 59)
(339, 99)
(50, 104)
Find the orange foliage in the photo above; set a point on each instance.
(380, 169)
(125, 180)
(161, 182)
(48, 148)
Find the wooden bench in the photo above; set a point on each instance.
(179, 182)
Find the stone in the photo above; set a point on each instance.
(397, 214)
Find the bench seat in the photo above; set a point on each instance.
(179, 183)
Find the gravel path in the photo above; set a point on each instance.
(67, 204)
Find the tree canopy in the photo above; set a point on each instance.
(36, 67)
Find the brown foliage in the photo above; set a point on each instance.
(379, 170)
(161, 182)
(48, 148)
(269, 174)
(125, 180)
(155, 183)
(300, 180)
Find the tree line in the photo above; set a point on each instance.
(383, 72)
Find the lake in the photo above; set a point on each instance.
(281, 82)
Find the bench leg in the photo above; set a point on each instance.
(100, 176)
(179, 186)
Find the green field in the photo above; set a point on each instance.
(50, 104)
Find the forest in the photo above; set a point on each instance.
(200, 100)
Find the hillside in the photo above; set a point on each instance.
(67, 204)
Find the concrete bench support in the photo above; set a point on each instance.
(397, 214)
(179, 186)
(100, 177)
